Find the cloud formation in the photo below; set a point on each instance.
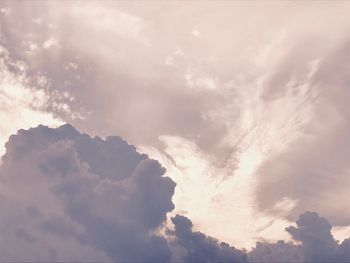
(315, 165)
(201, 248)
(67, 196)
(258, 89)
(317, 244)
(23, 97)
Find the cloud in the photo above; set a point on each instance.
(128, 85)
(67, 196)
(317, 244)
(23, 98)
(315, 165)
(200, 248)
(263, 86)
(275, 252)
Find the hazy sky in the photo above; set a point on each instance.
(244, 103)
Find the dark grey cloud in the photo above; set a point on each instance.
(312, 242)
(201, 248)
(92, 196)
(317, 241)
(280, 251)
(67, 196)
(317, 244)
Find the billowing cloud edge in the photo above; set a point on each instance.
(68, 196)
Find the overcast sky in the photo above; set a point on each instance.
(232, 119)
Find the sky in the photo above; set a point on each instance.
(172, 131)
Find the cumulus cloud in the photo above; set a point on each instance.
(317, 244)
(67, 196)
(201, 248)
(280, 251)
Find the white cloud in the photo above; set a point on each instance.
(51, 42)
(22, 106)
